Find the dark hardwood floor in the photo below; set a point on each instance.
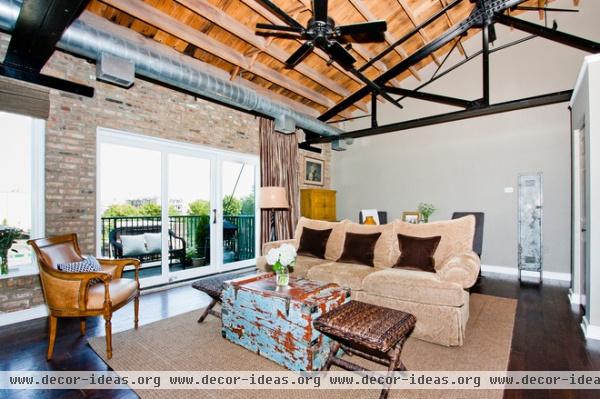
(547, 336)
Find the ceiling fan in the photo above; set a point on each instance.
(323, 33)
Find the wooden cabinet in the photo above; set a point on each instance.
(318, 203)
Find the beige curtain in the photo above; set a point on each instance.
(279, 167)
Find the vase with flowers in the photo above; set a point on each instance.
(281, 259)
(426, 210)
(8, 235)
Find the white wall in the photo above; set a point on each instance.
(465, 165)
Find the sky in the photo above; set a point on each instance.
(128, 173)
(15, 170)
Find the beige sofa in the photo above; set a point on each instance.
(439, 300)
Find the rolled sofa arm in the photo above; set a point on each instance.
(261, 262)
(461, 269)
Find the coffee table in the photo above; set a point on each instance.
(277, 323)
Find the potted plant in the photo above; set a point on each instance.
(280, 259)
(426, 210)
(8, 235)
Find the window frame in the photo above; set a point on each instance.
(38, 197)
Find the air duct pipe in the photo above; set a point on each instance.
(86, 37)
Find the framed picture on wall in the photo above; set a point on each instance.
(411, 217)
(313, 171)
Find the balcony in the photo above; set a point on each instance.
(189, 240)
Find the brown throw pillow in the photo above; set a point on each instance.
(313, 242)
(359, 248)
(417, 252)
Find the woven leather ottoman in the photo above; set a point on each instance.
(213, 287)
(372, 332)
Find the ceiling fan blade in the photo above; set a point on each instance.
(280, 13)
(361, 28)
(340, 54)
(283, 28)
(299, 54)
(319, 10)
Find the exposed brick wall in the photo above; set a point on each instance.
(147, 109)
(20, 293)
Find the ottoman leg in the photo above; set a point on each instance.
(395, 365)
(212, 304)
(335, 347)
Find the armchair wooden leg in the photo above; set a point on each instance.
(52, 335)
(82, 325)
(136, 310)
(108, 326)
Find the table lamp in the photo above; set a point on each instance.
(273, 198)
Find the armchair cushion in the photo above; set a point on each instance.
(89, 264)
(121, 290)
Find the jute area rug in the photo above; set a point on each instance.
(180, 343)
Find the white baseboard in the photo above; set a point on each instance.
(575, 298)
(590, 331)
(23, 315)
(513, 271)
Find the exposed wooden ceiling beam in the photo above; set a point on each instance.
(230, 24)
(451, 23)
(153, 16)
(369, 16)
(413, 18)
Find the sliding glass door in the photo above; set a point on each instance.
(183, 210)
(238, 183)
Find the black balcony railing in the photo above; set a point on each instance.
(189, 232)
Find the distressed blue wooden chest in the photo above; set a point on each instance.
(277, 323)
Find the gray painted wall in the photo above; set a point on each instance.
(466, 165)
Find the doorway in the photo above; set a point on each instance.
(183, 210)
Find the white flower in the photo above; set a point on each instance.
(273, 256)
(288, 254)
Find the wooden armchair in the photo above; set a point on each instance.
(71, 295)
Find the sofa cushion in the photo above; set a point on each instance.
(457, 235)
(386, 249)
(313, 242)
(335, 244)
(304, 264)
(413, 286)
(349, 275)
(359, 248)
(417, 252)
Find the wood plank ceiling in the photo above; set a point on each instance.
(222, 33)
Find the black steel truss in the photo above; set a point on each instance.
(547, 33)
(455, 102)
(27, 75)
(39, 27)
(476, 111)
(480, 17)
(484, 16)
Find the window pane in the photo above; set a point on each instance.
(130, 206)
(15, 181)
(189, 211)
(238, 211)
